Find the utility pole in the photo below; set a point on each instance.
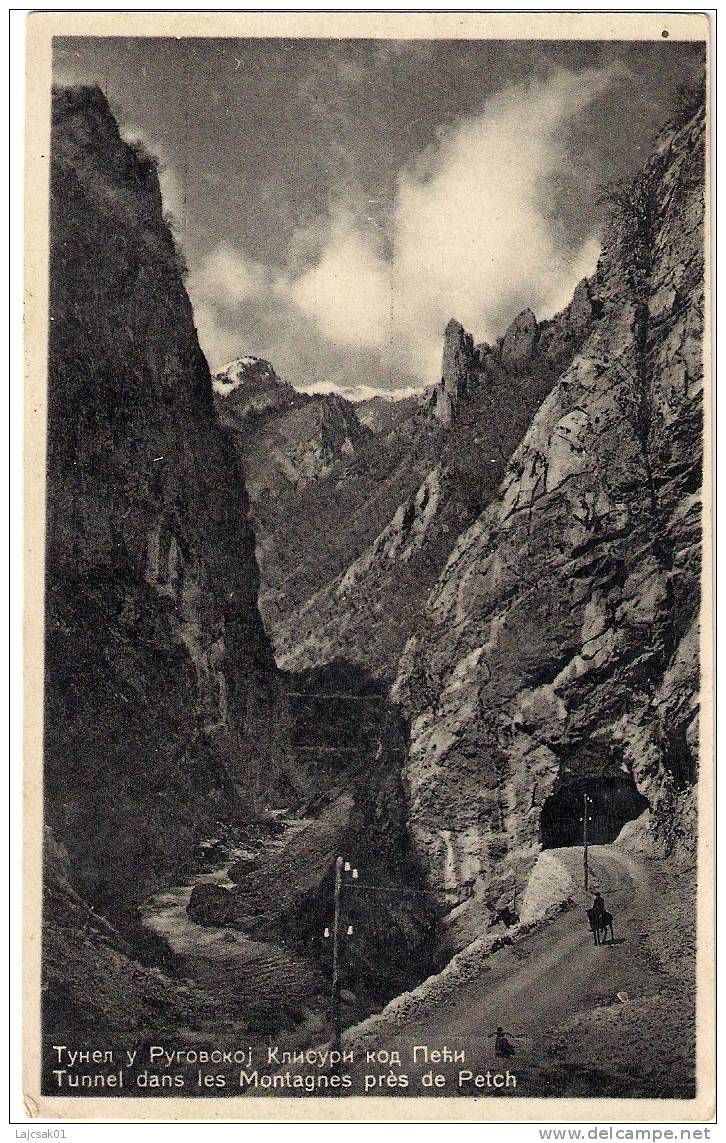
(341, 869)
(587, 802)
(335, 995)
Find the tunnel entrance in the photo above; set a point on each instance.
(615, 801)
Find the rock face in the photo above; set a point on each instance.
(286, 439)
(559, 647)
(457, 370)
(322, 487)
(256, 386)
(160, 681)
(164, 710)
(519, 341)
(290, 445)
(455, 450)
(531, 350)
(383, 414)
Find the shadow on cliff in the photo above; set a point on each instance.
(346, 729)
(613, 801)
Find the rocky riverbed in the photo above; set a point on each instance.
(258, 975)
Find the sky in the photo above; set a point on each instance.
(338, 201)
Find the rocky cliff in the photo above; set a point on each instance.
(322, 487)
(291, 445)
(286, 439)
(166, 721)
(160, 681)
(559, 650)
(383, 414)
(456, 450)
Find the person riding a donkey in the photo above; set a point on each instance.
(600, 920)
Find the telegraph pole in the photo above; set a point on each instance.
(341, 868)
(586, 803)
(335, 994)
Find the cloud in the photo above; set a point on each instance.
(475, 232)
(227, 290)
(226, 278)
(358, 392)
(347, 293)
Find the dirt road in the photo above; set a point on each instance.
(556, 995)
(535, 985)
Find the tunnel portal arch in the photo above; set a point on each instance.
(615, 801)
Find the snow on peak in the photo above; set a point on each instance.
(224, 388)
(360, 392)
(236, 372)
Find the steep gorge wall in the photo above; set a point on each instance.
(286, 440)
(160, 681)
(561, 642)
(164, 711)
(463, 437)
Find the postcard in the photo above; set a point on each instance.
(368, 719)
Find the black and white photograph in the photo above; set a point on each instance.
(375, 603)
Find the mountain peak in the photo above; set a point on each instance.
(457, 367)
(248, 370)
(520, 340)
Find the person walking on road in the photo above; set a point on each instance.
(502, 1045)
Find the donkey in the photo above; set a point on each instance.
(599, 925)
